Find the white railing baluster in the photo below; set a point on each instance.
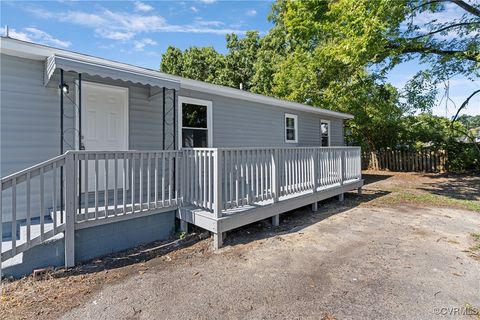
(124, 186)
(210, 180)
(156, 179)
(96, 186)
(54, 195)
(115, 183)
(133, 181)
(204, 173)
(14, 216)
(141, 182)
(170, 178)
(42, 203)
(225, 179)
(176, 172)
(163, 179)
(85, 183)
(106, 185)
(29, 214)
(149, 185)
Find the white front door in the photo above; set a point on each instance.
(104, 124)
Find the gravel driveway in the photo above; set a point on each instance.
(370, 258)
(365, 263)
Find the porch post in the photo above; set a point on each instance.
(275, 175)
(314, 170)
(342, 174)
(217, 183)
(70, 203)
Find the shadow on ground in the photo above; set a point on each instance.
(292, 221)
(301, 218)
(456, 186)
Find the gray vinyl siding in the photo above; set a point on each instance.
(30, 114)
(238, 123)
(30, 119)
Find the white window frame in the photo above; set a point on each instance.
(208, 103)
(295, 117)
(329, 132)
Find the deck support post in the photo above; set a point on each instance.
(315, 206)
(218, 240)
(70, 203)
(341, 197)
(359, 191)
(183, 226)
(276, 220)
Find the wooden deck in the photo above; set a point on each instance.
(238, 217)
(218, 189)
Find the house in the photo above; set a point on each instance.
(99, 156)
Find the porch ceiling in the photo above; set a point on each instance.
(105, 71)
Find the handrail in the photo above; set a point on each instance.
(20, 176)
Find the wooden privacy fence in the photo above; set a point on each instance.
(406, 160)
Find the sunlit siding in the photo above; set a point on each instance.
(238, 123)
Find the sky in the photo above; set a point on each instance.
(138, 32)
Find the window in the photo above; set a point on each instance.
(325, 132)
(291, 130)
(195, 122)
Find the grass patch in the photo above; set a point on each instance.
(430, 199)
(476, 238)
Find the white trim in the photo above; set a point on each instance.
(196, 85)
(41, 52)
(295, 118)
(127, 120)
(329, 132)
(209, 129)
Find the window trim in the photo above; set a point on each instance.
(328, 132)
(295, 117)
(208, 103)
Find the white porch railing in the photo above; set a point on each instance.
(219, 179)
(105, 186)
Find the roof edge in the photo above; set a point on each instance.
(44, 51)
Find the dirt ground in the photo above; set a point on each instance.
(409, 247)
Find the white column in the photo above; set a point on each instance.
(217, 183)
(70, 209)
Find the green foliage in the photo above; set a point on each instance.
(204, 64)
(335, 55)
(470, 122)
(462, 157)
(427, 130)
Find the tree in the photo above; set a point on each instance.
(172, 61)
(342, 42)
(336, 55)
(196, 63)
(240, 60)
